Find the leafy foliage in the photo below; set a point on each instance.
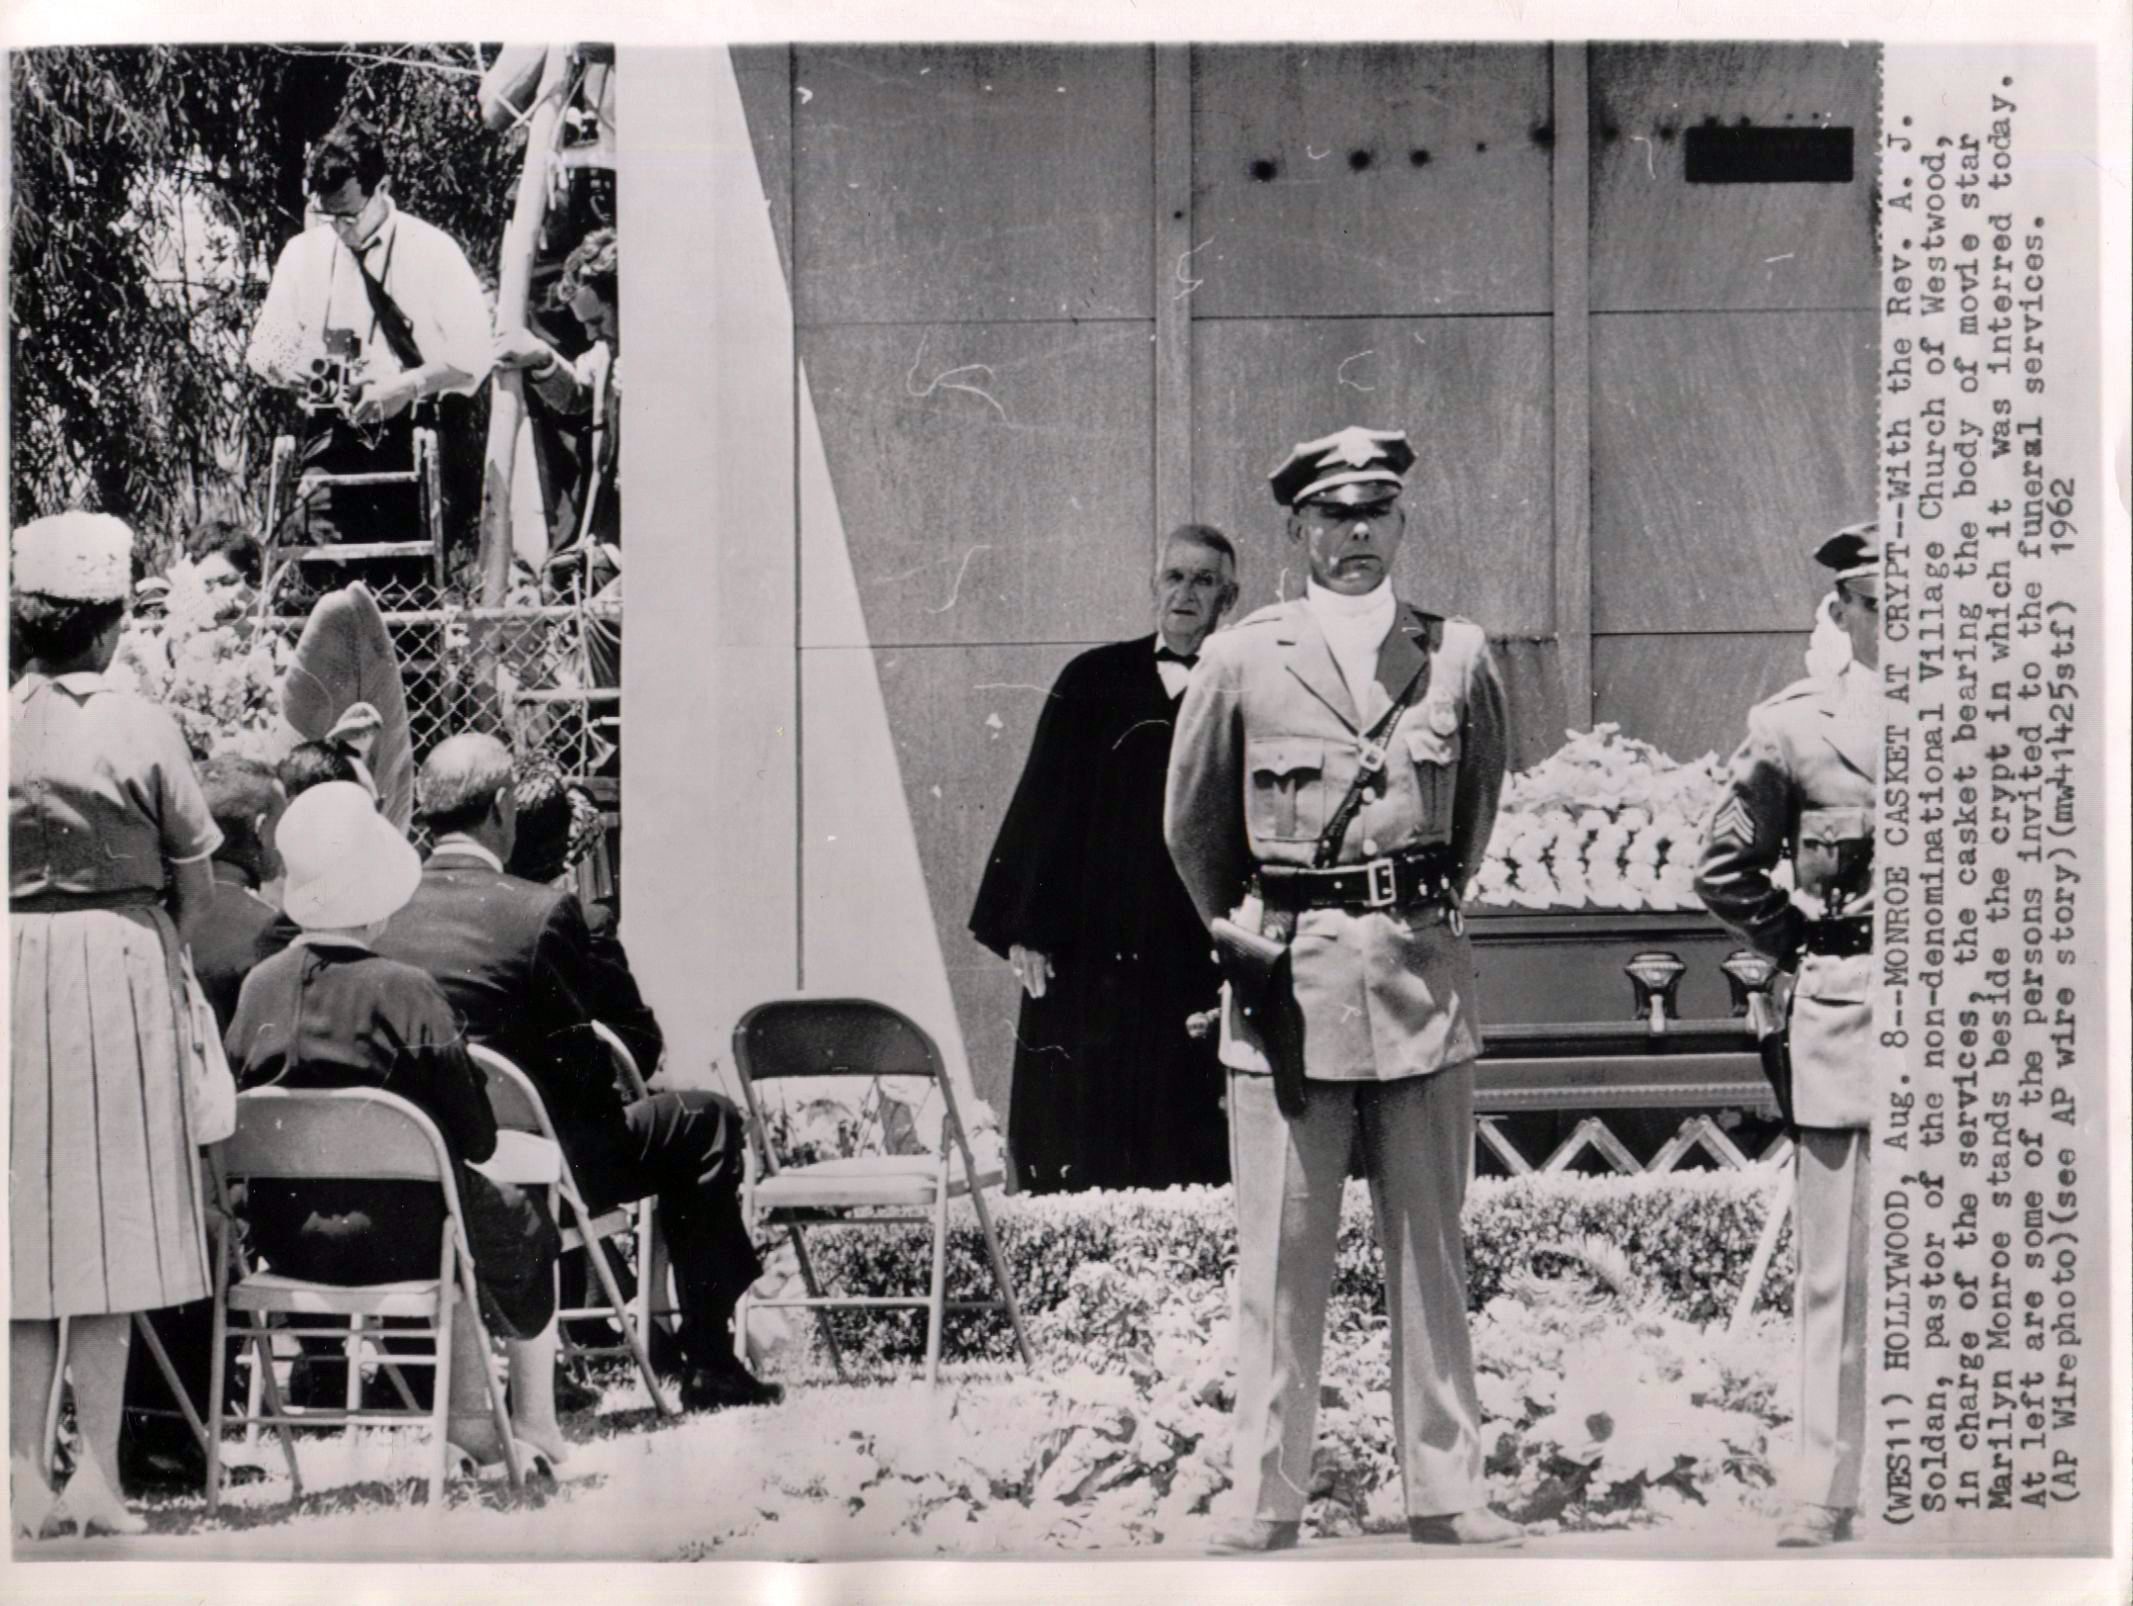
(1686, 1239)
(1601, 1407)
(153, 189)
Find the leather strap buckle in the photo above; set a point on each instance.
(1382, 884)
(1370, 756)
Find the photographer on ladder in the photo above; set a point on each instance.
(376, 319)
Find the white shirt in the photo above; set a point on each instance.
(1355, 627)
(1176, 676)
(460, 842)
(317, 286)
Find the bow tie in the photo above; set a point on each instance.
(1163, 655)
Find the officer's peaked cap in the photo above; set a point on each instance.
(1354, 457)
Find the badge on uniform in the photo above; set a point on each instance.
(1443, 718)
(1733, 824)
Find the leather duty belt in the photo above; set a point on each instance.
(1840, 939)
(1399, 881)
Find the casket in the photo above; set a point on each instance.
(1615, 1040)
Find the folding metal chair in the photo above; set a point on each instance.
(517, 1104)
(856, 1037)
(289, 1134)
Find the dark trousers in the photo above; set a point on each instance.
(333, 514)
(685, 1150)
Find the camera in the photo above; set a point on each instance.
(334, 378)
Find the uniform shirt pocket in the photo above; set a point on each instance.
(1835, 851)
(1287, 777)
(1434, 758)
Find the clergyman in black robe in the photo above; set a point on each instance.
(1110, 1089)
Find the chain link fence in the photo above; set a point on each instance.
(542, 676)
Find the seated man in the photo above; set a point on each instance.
(517, 963)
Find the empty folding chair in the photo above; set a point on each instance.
(855, 1037)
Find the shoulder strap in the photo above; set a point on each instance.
(1329, 840)
(396, 327)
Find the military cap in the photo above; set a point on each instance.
(1353, 463)
(1854, 552)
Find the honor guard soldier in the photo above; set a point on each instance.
(1333, 782)
(1803, 786)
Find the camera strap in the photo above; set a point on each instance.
(396, 328)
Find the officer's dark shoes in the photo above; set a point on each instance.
(1255, 1538)
(726, 1383)
(1477, 1529)
(1811, 1527)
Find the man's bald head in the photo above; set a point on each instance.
(463, 780)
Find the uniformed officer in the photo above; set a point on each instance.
(1346, 690)
(1803, 785)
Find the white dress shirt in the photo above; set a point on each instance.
(317, 286)
(1356, 627)
(1176, 676)
(460, 842)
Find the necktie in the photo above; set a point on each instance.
(1165, 655)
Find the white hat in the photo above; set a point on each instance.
(74, 557)
(347, 866)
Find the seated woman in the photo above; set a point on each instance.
(327, 1012)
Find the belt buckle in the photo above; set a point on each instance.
(1370, 756)
(1381, 884)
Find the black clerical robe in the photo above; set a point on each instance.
(1109, 1089)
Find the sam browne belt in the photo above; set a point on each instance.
(1399, 881)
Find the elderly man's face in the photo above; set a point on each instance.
(1193, 589)
(1349, 548)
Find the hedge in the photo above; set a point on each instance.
(1687, 1237)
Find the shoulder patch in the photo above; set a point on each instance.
(1733, 823)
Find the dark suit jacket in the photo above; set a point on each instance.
(225, 939)
(523, 972)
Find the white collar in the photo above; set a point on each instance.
(81, 682)
(326, 939)
(381, 232)
(460, 842)
(1373, 604)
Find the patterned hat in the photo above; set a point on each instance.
(74, 557)
(1353, 457)
(1855, 553)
